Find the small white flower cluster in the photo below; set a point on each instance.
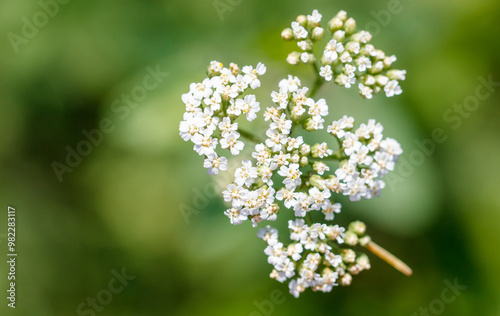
(347, 57)
(314, 258)
(254, 194)
(213, 105)
(285, 172)
(366, 158)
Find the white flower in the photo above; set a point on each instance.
(391, 146)
(345, 57)
(320, 167)
(332, 49)
(235, 216)
(235, 194)
(253, 74)
(269, 235)
(323, 151)
(294, 143)
(295, 251)
(281, 98)
(331, 210)
(346, 81)
(246, 174)
(336, 129)
(315, 17)
(326, 72)
(307, 57)
(392, 88)
(319, 108)
(291, 84)
(226, 126)
(351, 143)
(299, 31)
(303, 204)
(201, 90)
(287, 197)
(214, 163)
(363, 63)
(365, 91)
(231, 142)
(276, 140)
(213, 102)
(262, 154)
(204, 143)
(232, 109)
(249, 106)
(190, 127)
(292, 176)
(355, 188)
(282, 124)
(365, 37)
(318, 198)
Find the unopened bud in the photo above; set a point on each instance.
(317, 33)
(350, 26)
(287, 34)
(357, 227)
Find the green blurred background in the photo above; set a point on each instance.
(121, 206)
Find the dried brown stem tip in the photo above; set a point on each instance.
(389, 258)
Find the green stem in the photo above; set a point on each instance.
(250, 136)
(318, 83)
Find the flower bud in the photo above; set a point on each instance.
(396, 74)
(287, 34)
(354, 269)
(235, 70)
(380, 54)
(335, 24)
(350, 26)
(351, 238)
(310, 125)
(346, 280)
(364, 241)
(369, 80)
(377, 67)
(339, 35)
(381, 80)
(357, 227)
(305, 149)
(348, 256)
(302, 19)
(342, 15)
(305, 45)
(307, 58)
(317, 181)
(293, 58)
(304, 161)
(317, 33)
(315, 150)
(363, 262)
(295, 158)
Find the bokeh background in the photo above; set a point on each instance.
(121, 206)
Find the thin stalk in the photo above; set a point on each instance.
(250, 136)
(389, 258)
(318, 83)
